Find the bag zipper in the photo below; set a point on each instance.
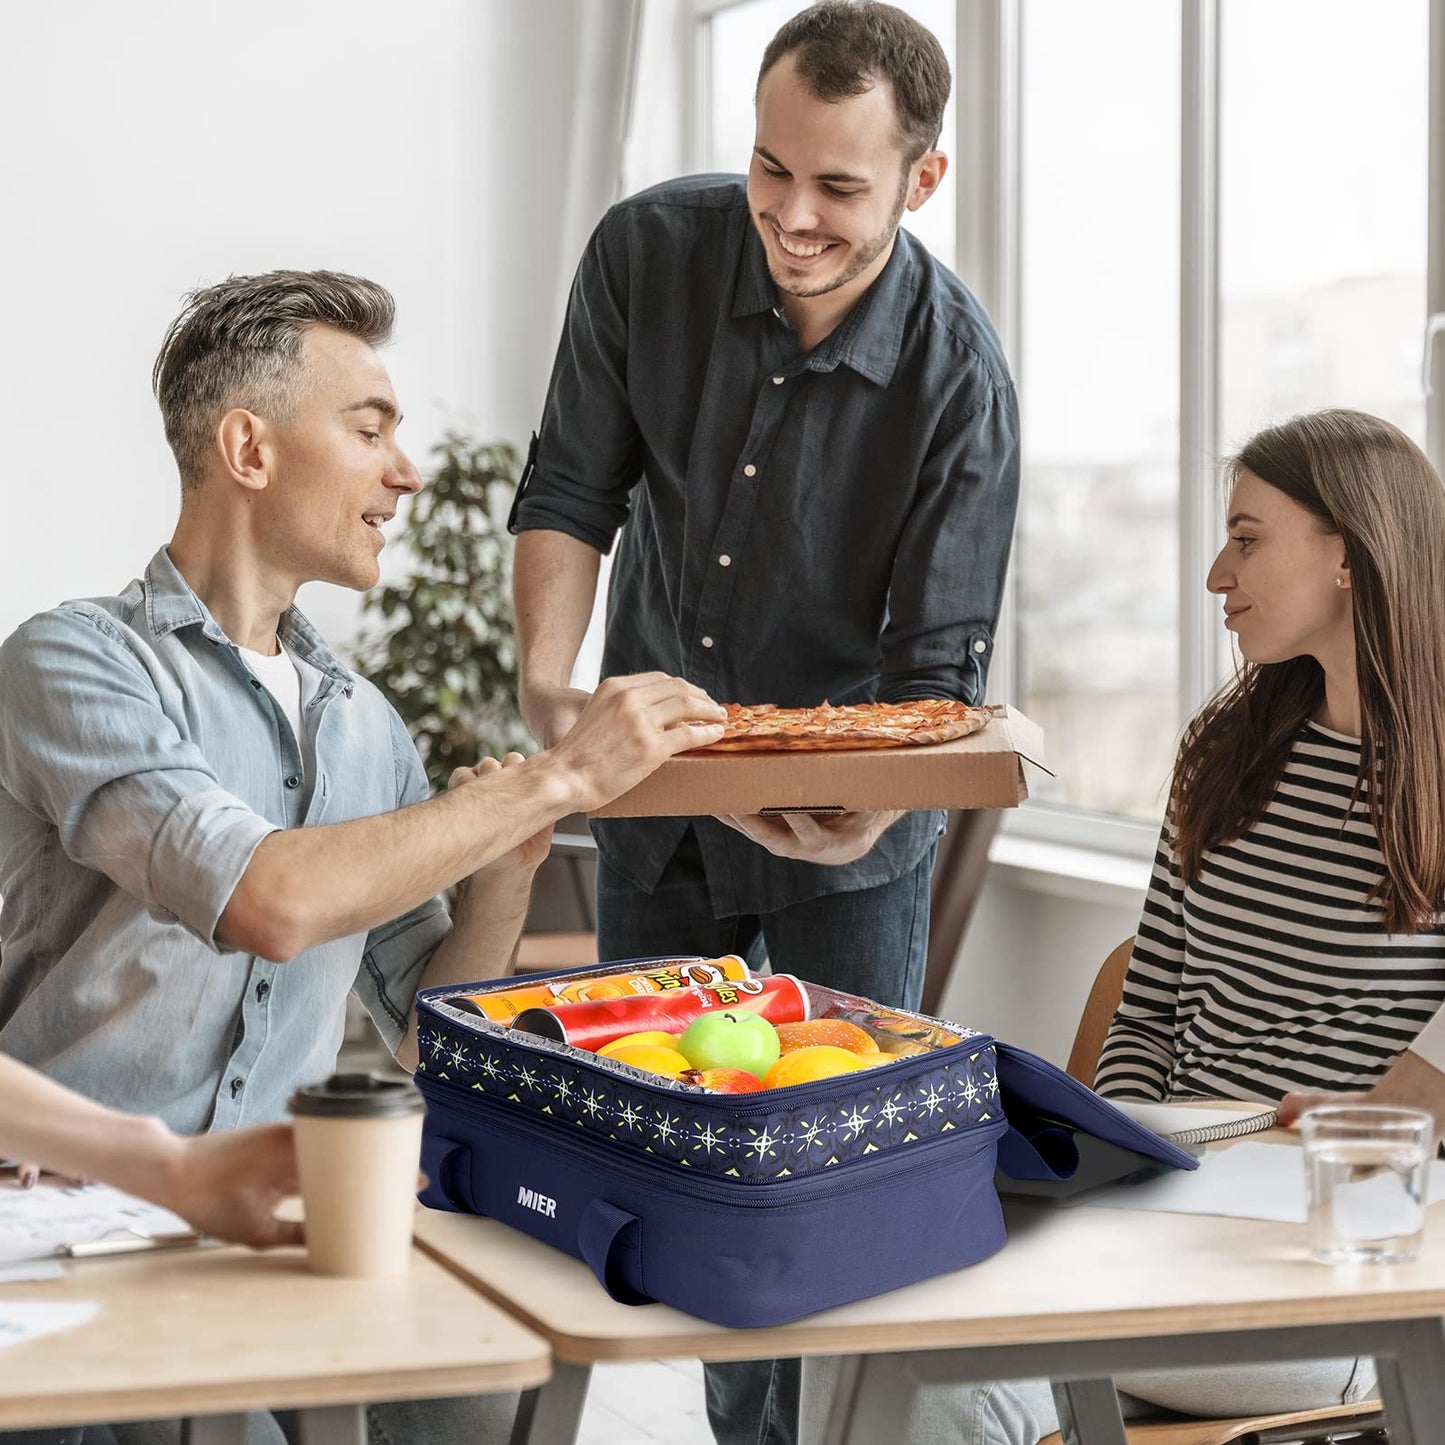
(918, 1157)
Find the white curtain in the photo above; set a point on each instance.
(604, 84)
(604, 90)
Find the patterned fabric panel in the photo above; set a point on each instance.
(951, 1089)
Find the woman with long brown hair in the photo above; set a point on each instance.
(1292, 936)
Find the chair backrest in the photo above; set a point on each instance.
(1099, 1007)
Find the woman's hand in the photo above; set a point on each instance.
(228, 1184)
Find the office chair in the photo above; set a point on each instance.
(1358, 1424)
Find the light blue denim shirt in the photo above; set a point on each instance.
(141, 764)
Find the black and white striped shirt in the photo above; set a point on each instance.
(1271, 973)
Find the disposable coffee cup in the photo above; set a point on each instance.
(358, 1145)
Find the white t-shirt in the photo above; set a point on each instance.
(279, 676)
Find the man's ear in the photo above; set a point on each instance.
(246, 448)
(931, 168)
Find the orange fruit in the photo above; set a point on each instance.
(837, 1032)
(653, 1059)
(655, 1037)
(816, 1061)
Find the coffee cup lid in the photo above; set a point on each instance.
(357, 1096)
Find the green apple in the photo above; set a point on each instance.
(733, 1039)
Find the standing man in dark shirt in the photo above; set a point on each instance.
(808, 426)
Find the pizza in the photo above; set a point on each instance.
(764, 728)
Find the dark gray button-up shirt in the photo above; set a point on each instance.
(831, 525)
(140, 766)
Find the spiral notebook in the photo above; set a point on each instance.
(1186, 1124)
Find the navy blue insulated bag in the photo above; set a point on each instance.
(741, 1209)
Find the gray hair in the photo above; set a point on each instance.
(239, 344)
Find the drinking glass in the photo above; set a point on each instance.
(1366, 1168)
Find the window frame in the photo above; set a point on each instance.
(988, 76)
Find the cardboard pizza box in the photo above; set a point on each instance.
(983, 770)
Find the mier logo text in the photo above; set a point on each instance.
(530, 1199)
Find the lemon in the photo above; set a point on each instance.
(652, 1058)
(655, 1037)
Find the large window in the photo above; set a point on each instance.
(1096, 565)
(1324, 199)
(1188, 220)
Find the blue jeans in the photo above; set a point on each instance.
(873, 942)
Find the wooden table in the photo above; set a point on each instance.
(1076, 1296)
(207, 1333)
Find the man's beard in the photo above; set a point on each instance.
(862, 260)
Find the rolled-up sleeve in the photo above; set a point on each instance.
(587, 457)
(397, 953)
(86, 743)
(948, 574)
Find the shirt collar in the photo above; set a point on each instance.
(869, 338)
(171, 605)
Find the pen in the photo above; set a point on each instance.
(129, 1244)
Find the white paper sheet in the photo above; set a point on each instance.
(31, 1271)
(22, 1320)
(35, 1223)
(1249, 1180)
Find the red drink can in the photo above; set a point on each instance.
(781, 1000)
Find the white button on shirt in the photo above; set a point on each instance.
(707, 642)
(725, 560)
(750, 470)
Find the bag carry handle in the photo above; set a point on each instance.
(600, 1238)
(446, 1164)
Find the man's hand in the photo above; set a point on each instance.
(229, 1184)
(528, 854)
(814, 838)
(551, 712)
(629, 728)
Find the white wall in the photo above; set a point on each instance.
(1030, 956)
(160, 144)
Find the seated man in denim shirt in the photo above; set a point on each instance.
(210, 829)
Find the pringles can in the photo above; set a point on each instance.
(504, 1004)
(782, 999)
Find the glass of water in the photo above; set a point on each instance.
(1366, 1167)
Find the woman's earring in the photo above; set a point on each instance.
(1339, 581)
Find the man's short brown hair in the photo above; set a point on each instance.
(844, 47)
(239, 344)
